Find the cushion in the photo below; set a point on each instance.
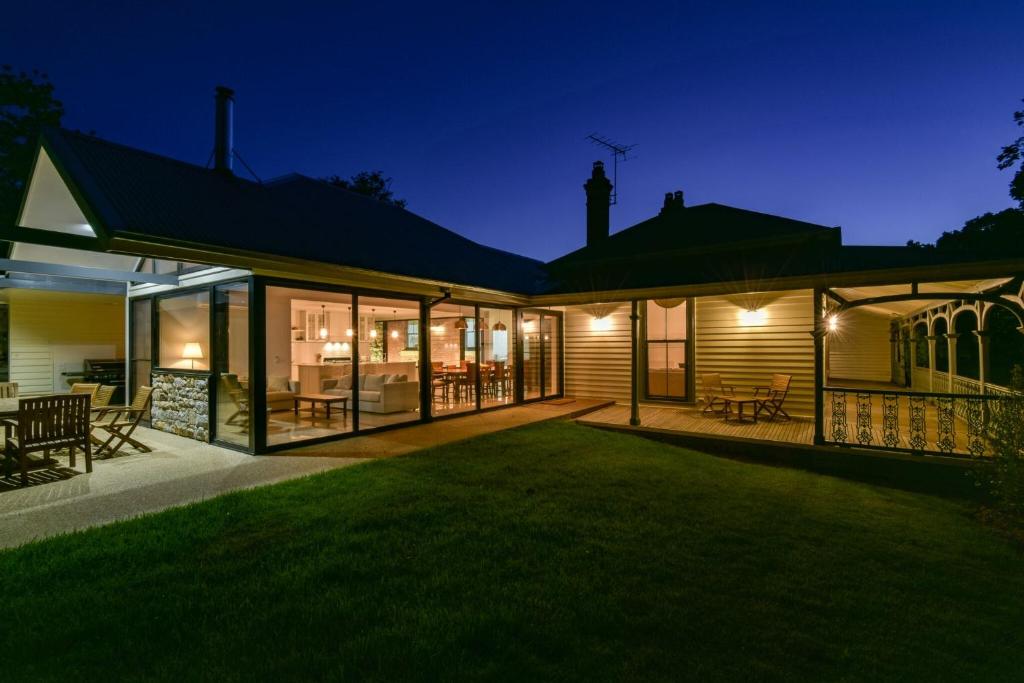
(371, 396)
(277, 383)
(373, 382)
(397, 378)
(344, 383)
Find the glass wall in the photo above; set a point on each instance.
(389, 353)
(497, 357)
(311, 340)
(453, 359)
(666, 349)
(185, 331)
(142, 346)
(231, 363)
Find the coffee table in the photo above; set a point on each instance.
(327, 400)
(739, 400)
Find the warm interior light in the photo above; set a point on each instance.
(461, 324)
(752, 317)
(348, 332)
(499, 326)
(602, 324)
(437, 329)
(394, 334)
(345, 347)
(373, 333)
(323, 322)
(192, 352)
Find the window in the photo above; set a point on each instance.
(412, 335)
(666, 349)
(184, 323)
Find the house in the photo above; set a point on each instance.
(272, 314)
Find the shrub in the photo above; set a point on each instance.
(1002, 475)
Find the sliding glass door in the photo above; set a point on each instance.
(541, 333)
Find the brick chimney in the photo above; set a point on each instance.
(673, 202)
(599, 193)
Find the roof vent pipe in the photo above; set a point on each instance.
(223, 136)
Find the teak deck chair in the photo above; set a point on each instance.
(8, 390)
(240, 398)
(773, 396)
(47, 423)
(122, 423)
(715, 392)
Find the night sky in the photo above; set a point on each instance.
(883, 119)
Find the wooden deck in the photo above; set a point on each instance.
(691, 420)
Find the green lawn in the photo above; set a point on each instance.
(552, 551)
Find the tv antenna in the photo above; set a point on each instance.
(618, 152)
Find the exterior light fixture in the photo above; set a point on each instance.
(833, 323)
(192, 352)
(752, 317)
(602, 324)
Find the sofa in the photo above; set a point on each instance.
(280, 393)
(378, 393)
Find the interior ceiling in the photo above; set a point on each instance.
(911, 306)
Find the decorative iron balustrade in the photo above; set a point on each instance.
(918, 422)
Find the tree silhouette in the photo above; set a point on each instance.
(1008, 158)
(370, 183)
(27, 105)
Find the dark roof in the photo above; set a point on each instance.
(699, 228)
(144, 194)
(713, 243)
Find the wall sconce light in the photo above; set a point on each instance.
(752, 317)
(602, 324)
(833, 323)
(193, 352)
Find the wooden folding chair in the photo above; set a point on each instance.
(122, 423)
(47, 423)
(715, 392)
(773, 396)
(239, 397)
(85, 388)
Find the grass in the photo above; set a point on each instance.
(551, 551)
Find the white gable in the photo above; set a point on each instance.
(49, 204)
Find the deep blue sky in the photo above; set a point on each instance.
(882, 117)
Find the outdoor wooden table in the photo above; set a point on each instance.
(326, 399)
(739, 400)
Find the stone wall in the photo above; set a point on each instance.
(181, 405)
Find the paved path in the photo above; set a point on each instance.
(181, 471)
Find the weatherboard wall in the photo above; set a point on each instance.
(748, 337)
(54, 332)
(859, 347)
(597, 357)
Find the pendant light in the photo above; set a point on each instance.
(323, 321)
(460, 324)
(394, 317)
(499, 327)
(348, 331)
(373, 324)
